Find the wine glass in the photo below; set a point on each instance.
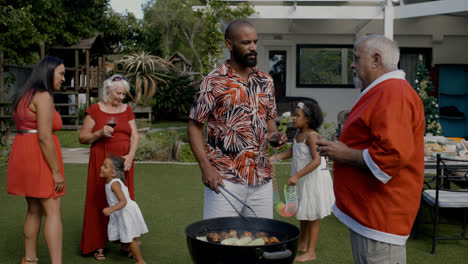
(329, 137)
(112, 121)
(274, 140)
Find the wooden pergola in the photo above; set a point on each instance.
(84, 74)
(365, 10)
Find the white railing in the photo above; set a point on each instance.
(298, 1)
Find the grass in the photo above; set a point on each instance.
(171, 197)
(69, 139)
(166, 124)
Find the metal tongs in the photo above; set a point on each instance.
(237, 198)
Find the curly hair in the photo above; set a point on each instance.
(313, 113)
(118, 163)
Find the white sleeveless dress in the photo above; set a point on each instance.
(314, 190)
(126, 223)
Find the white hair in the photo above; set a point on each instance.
(110, 85)
(388, 49)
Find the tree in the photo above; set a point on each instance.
(27, 23)
(146, 74)
(177, 26)
(431, 107)
(212, 33)
(199, 35)
(17, 33)
(122, 33)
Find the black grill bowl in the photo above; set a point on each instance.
(213, 253)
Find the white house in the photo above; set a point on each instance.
(306, 45)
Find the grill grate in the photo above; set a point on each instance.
(205, 230)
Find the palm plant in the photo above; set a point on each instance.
(147, 73)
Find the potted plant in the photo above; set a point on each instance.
(146, 73)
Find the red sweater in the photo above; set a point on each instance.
(387, 122)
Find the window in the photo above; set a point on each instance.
(324, 66)
(409, 60)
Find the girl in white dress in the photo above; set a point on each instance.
(126, 221)
(314, 186)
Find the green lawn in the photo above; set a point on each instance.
(166, 124)
(69, 138)
(170, 197)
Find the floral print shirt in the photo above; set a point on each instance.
(236, 113)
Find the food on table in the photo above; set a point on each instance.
(434, 147)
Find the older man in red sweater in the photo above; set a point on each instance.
(379, 158)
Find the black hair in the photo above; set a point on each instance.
(41, 79)
(118, 163)
(314, 114)
(233, 26)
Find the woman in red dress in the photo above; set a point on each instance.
(109, 126)
(35, 166)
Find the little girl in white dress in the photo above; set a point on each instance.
(125, 221)
(314, 186)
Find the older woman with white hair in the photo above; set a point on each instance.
(109, 126)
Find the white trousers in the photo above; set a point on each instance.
(259, 198)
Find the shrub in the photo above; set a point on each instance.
(328, 128)
(159, 145)
(151, 149)
(186, 154)
(4, 154)
(175, 100)
(146, 74)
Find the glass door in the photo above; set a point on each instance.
(277, 68)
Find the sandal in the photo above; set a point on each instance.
(30, 260)
(125, 250)
(98, 255)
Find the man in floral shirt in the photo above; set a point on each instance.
(237, 103)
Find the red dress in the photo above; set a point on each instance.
(94, 234)
(29, 174)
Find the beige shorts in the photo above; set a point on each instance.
(259, 198)
(369, 251)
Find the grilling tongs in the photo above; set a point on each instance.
(235, 197)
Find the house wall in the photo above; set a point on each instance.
(446, 35)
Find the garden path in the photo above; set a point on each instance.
(81, 155)
(75, 155)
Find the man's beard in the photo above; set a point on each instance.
(244, 60)
(357, 82)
